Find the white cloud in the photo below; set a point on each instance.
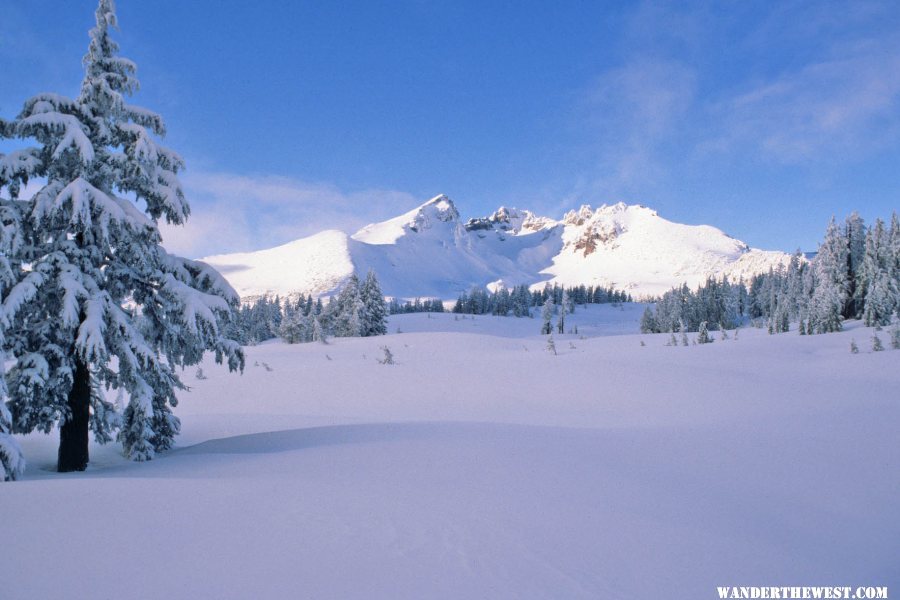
(233, 213)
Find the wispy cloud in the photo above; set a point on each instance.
(797, 84)
(832, 109)
(635, 110)
(239, 212)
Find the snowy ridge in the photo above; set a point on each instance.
(430, 251)
(309, 265)
(633, 248)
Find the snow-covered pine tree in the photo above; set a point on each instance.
(12, 461)
(295, 327)
(568, 302)
(781, 317)
(648, 321)
(547, 316)
(855, 232)
(274, 316)
(830, 293)
(703, 334)
(97, 301)
(285, 330)
(894, 253)
(793, 289)
(347, 313)
(877, 272)
(561, 319)
(375, 308)
(318, 332)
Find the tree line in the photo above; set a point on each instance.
(854, 275)
(519, 300)
(358, 310)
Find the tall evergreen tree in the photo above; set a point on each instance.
(877, 269)
(12, 461)
(855, 232)
(318, 333)
(547, 316)
(563, 308)
(648, 321)
(347, 313)
(375, 308)
(96, 300)
(894, 261)
(830, 293)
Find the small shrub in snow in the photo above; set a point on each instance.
(551, 345)
(877, 346)
(388, 356)
(854, 349)
(703, 336)
(200, 374)
(895, 336)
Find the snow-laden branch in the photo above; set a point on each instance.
(69, 280)
(146, 118)
(19, 164)
(85, 200)
(69, 126)
(21, 293)
(197, 308)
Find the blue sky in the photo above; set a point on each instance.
(762, 119)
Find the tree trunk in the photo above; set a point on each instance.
(73, 435)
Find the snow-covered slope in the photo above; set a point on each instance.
(633, 248)
(429, 251)
(482, 466)
(313, 264)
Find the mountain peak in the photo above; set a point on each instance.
(427, 251)
(440, 207)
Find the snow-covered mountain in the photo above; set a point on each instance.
(430, 251)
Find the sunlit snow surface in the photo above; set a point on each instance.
(482, 466)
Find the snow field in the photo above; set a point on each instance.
(480, 465)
